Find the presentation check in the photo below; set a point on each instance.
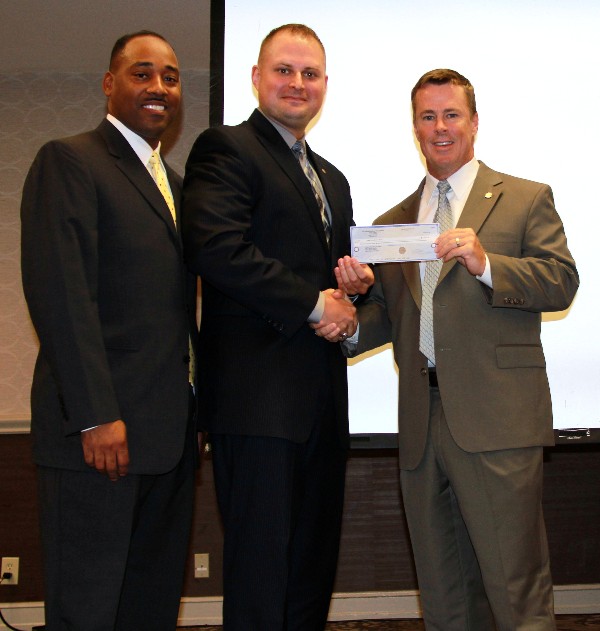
(396, 243)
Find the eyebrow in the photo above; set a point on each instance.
(149, 64)
(291, 65)
(444, 111)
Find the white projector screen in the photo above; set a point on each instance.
(534, 69)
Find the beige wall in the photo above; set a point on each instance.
(54, 54)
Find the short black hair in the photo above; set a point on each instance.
(120, 44)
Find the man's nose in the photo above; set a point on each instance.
(157, 86)
(297, 80)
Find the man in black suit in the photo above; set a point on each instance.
(272, 394)
(112, 304)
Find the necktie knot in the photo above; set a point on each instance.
(443, 187)
(298, 149)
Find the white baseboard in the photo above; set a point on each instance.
(568, 599)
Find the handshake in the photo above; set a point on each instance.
(339, 319)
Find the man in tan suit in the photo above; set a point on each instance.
(474, 409)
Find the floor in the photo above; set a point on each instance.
(580, 622)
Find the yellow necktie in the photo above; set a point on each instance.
(161, 181)
(163, 186)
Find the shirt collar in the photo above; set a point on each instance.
(137, 143)
(286, 134)
(460, 181)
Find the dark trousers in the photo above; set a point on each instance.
(281, 504)
(114, 552)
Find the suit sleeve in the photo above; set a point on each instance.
(59, 252)
(220, 197)
(544, 276)
(375, 326)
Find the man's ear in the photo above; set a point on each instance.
(107, 83)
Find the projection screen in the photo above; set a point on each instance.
(534, 68)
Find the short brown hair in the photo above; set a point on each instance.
(300, 30)
(442, 76)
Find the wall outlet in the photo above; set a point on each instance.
(10, 565)
(201, 565)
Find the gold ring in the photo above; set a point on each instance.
(457, 242)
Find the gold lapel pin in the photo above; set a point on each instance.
(323, 170)
(488, 195)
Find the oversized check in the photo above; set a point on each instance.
(394, 243)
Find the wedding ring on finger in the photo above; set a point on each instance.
(343, 336)
(457, 242)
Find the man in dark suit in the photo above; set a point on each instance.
(474, 406)
(272, 394)
(112, 304)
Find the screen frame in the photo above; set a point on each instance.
(567, 436)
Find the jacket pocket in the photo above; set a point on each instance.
(520, 356)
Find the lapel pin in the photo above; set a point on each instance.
(323, 170)
(488, 195)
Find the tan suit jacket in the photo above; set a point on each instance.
(490, 363)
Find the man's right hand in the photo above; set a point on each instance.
(339, 317)
(105, 449)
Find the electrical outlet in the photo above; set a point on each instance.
(10, 564)
(201, 565)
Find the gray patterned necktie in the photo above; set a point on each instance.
(443, 216)
(315, 184)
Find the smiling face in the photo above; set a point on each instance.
(290, 80)
(143, 87)
(444, 127)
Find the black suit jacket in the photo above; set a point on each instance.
(110, 300)
(252, 230)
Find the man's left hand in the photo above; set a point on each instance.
(463, 245)
(353, 277)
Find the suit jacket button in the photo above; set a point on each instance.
(424, 372)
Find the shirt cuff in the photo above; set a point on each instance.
(318, 311)
(486, 277)
(352, 341)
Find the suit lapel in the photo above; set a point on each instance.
(320, 168)
(410, 214)
(484, 195)
(131, 166)
(272, 141)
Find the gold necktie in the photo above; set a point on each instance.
(161, 181)
(163, 186)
